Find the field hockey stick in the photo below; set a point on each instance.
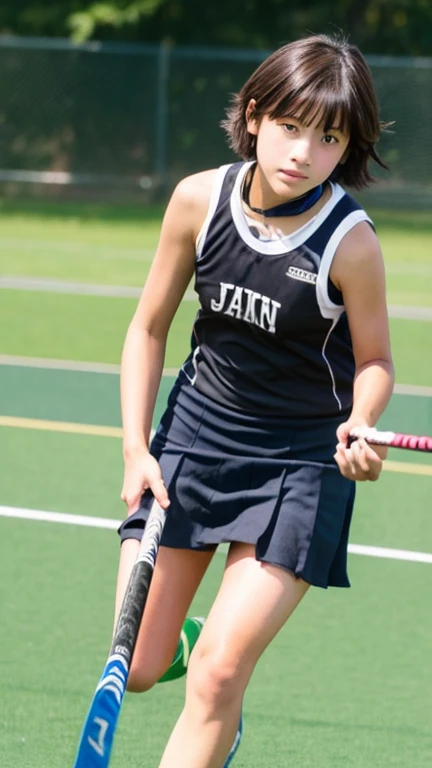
(392, 439)
(97, 735)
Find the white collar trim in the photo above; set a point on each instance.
(289, 242)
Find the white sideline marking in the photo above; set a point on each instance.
(405, 312)
(390, 554)
(103, 522)
(71, 365)
(85, 367)
(413, 389)
(52, 285)
(59, 517)
(63, 249)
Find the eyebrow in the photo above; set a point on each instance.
(293, 116)
(337, 128)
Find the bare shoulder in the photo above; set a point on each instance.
(360, 244)
(198, 184)
(359, 250)
(191, 196)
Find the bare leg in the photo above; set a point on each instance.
(253, 603)
(176, 578)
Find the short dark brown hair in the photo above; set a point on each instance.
(319, 78)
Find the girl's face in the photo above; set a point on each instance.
(293, 157)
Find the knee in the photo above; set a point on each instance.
(217, 678)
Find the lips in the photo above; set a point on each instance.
(293, 174)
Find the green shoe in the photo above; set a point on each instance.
(189, 635)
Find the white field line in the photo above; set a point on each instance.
(70, 365)
(137, 253)
(103, 522)
(84, 367)
(49, 285)
(131, 292)
(419, 270)
(403, 312)
(64, 249)
(390, 554)
(59, 517)
(412, 389)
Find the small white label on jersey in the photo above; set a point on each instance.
(302, 274)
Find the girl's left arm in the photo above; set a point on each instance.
(358, 271)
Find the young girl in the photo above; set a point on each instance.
(290, 352)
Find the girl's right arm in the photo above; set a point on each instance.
(144, 348)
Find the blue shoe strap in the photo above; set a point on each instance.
(236, 744)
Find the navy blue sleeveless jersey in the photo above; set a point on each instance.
(271, 336)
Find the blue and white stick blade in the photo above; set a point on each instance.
(94, 750)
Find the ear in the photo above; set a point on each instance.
(252, 122)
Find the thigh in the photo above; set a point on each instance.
(254, 601)
(177, 575)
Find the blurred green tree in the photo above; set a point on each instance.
(393, 27)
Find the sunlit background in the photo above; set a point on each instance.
(103, 108)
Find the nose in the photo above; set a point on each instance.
(301, 151)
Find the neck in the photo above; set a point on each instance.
(290, 207)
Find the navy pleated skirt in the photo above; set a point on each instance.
(270, 482)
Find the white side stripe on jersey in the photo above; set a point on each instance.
(214, 199)
(328, 308)
(193, 378)
(323, 352)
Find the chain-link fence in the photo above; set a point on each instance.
(120, 119)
